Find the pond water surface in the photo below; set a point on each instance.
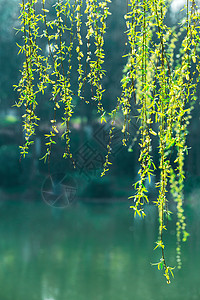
(93, 252)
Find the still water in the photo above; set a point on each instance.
(91, 251)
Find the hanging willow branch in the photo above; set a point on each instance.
(161, 87)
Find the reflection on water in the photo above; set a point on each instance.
(90, 252)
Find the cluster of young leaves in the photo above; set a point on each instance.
(78, 48)
(164, 93)
(138, 82)
(185, 84)
(26, 87)
(97, 13)
(52, 66)
(146, 77)
(168, 271)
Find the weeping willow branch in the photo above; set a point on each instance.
(156, 82)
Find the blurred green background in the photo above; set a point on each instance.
(92, 248)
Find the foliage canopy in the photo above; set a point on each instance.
(158, 80)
